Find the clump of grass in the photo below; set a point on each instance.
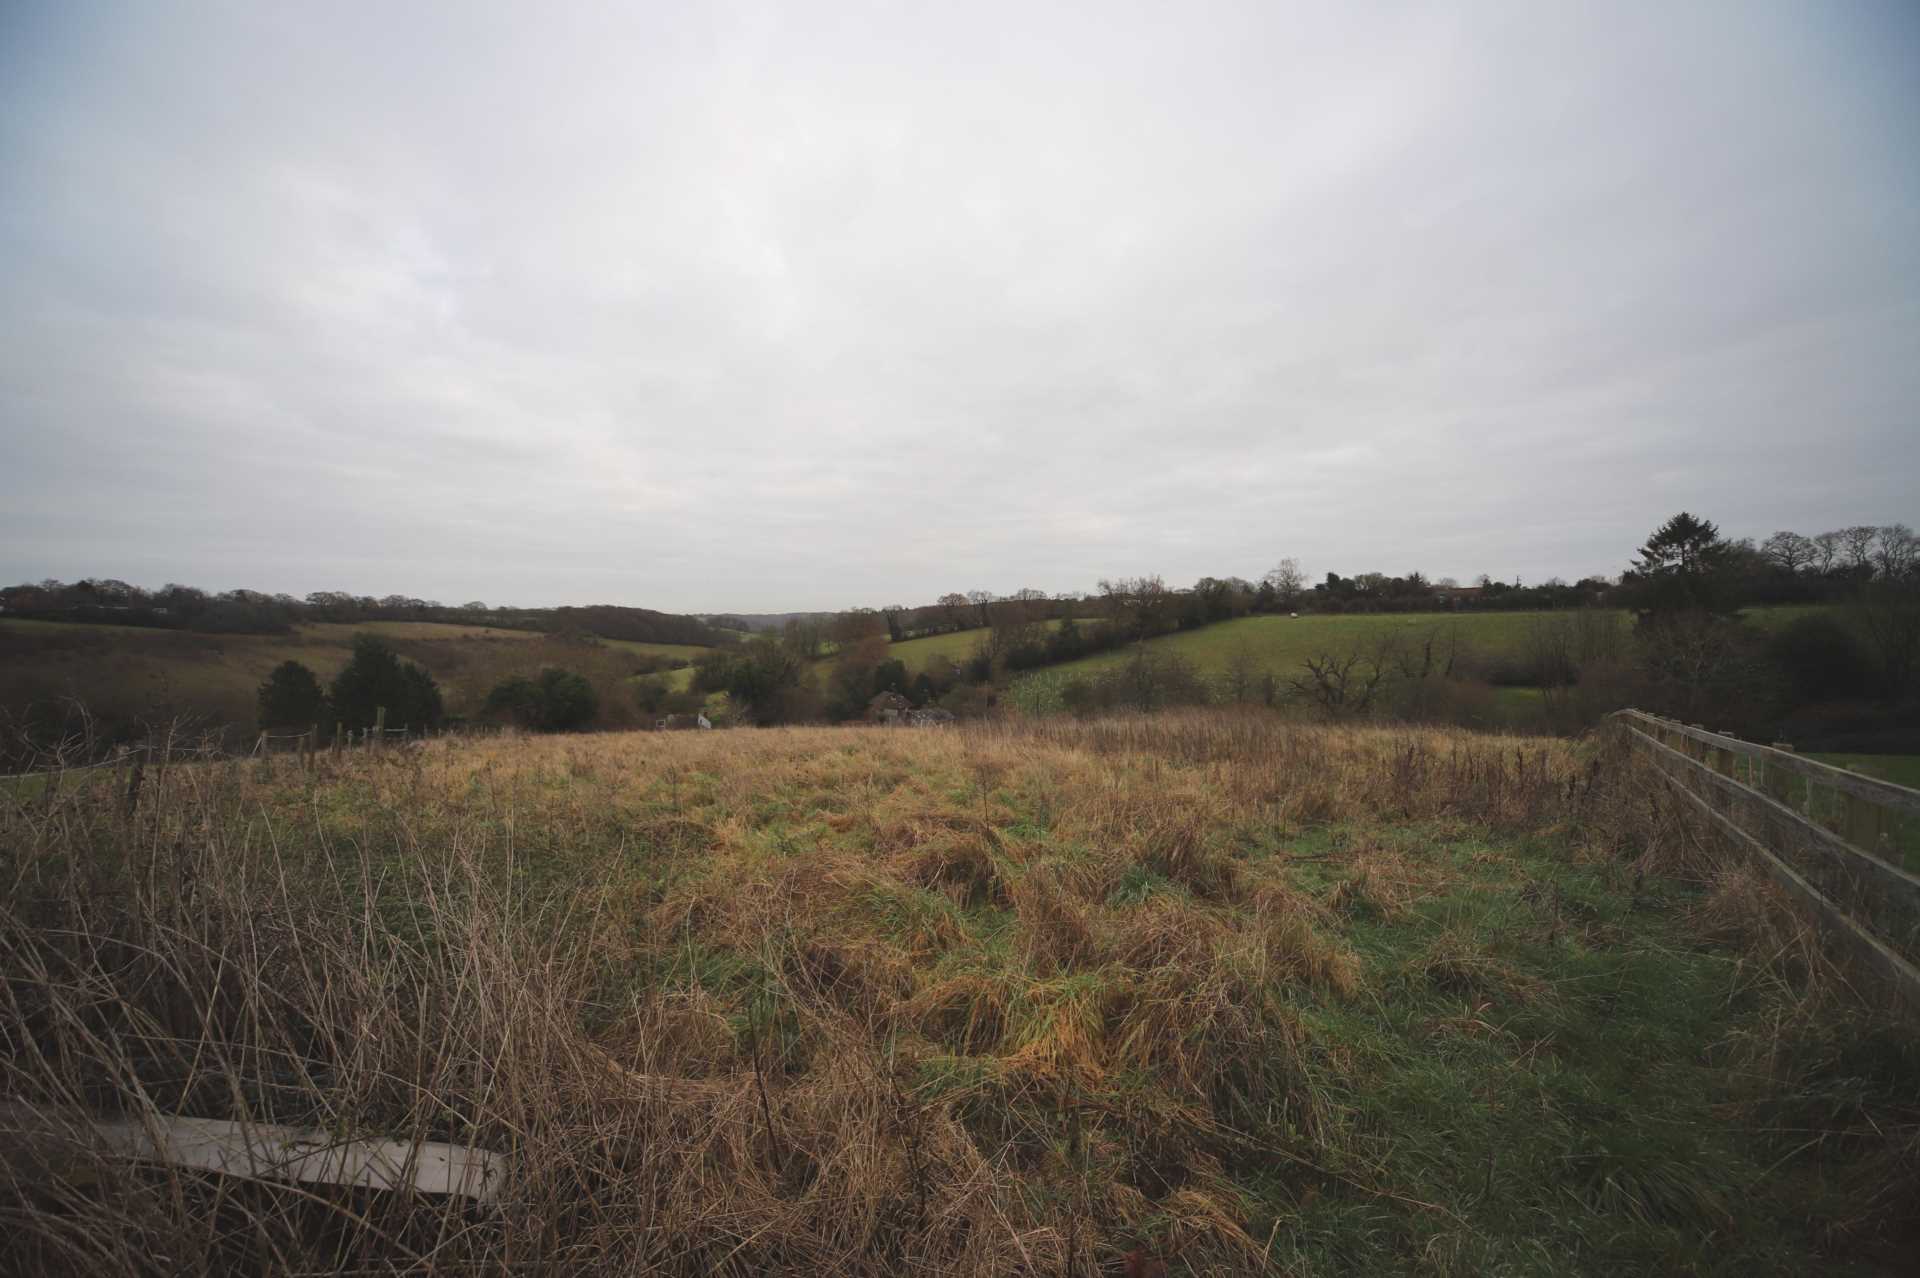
(1055, 924)
(963, 863)
(1465, 966)
(1375, 887)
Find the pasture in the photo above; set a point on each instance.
(955, 646)
(1280, 643)
(1033, 998)
(1901, 769)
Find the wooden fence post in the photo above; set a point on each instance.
(1866, 824)
(379, 726)
(1776, 780)
(138, 759)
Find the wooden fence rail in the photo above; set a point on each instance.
(1772, 802)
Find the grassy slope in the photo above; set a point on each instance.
(1281, 643)
(955, 646)
(217, 675)
(1901, 769)
(684, 651)
(1183, 985)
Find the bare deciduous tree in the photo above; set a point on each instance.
(1896, 551)
(1789, 551)
(953, 608)
(1341, 685)
(1287, 580)
(1243, 678)
(1887, 614)
(1856, 545)
(1826, 552)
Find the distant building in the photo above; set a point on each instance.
(892, 710)
(1454, 596)
(682, 723)
(888, 708)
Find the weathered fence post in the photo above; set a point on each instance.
(135, 775)
(1866, 824)
(1776, 780)
(379, 726)
(339, 729)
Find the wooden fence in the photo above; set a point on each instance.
(1835, 840)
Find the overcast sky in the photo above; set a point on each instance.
(803, 305)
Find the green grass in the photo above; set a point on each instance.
(956, 646)
(683, 651)
(1901, 769)
(1281, 643)
(343, 632)
(1539, 1064)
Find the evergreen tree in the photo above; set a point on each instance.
(1685, 566)
(291, 697)
(558, 701)
(375, 677)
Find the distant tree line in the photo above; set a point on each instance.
(1849, 671)
(177, 607)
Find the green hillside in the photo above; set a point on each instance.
(1279, 643)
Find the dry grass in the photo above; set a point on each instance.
(1017, 999)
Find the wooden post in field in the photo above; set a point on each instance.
(338, 729)
(1729, 762)
(1866, 824)
(1776, 780)
(138, 759)
(379, 726)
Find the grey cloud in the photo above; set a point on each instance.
(761, 306)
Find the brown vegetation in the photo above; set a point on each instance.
(1039, 999)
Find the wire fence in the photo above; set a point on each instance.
(1838, 842)
(75, 757)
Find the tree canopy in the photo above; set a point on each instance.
(290, 697)
(375, 677)
(1683, 567)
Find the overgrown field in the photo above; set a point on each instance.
(128, 675)
(1212, 991)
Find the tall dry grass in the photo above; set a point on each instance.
(1014, 999)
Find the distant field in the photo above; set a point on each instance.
(1281, 643)
(684, 651)
(1901, 769)
(955, 646)
(344, 631)
(132, 672)
(676, 680)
